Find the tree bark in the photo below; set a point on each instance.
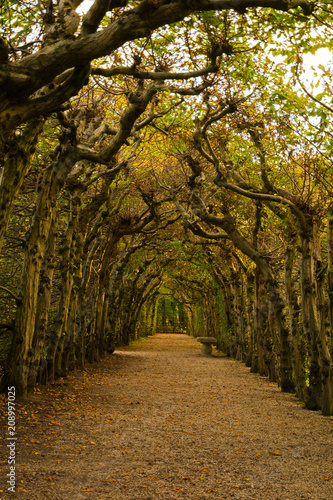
(38, 362)
(325, 358)
(59, 333)
(260, 323)
(23, 352)
(16, 165)
(327, 405)
(298, 342)
(310, 319)
(22, 79)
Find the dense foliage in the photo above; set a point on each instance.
(166, 165)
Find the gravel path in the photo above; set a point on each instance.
(160, 421)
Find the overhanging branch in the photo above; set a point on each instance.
(154, 75)
(9, 292)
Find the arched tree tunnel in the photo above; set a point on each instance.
(163, 171)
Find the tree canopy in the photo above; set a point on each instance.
(166, 164)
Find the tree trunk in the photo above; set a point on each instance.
(239, 312)
(250, 318)
(38, 362)
(82, 320)
(286, 376)
(99, 320)
(228, 309)
(310, 320)
(23, 354)
(327, 405)
(260, 324)
(57, 337)
(298, 343)
(272, 348)
(324, 331)
(17, 163)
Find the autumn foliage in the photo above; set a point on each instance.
(166, 166)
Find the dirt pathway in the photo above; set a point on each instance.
(158, 420)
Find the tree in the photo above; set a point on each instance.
(213, 158)
(115, 93)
